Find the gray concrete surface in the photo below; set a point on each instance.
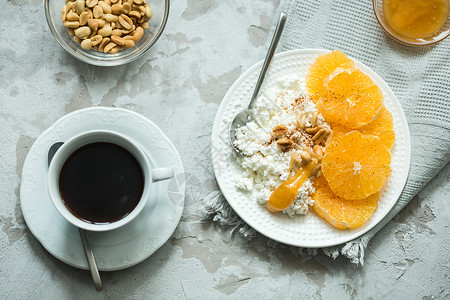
(179, 85)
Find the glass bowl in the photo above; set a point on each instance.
(438, 36)
(156, 26)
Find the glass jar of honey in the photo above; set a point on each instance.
(414, 22)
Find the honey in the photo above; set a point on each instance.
(416, 19)
(285, 194)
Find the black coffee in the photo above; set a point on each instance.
(101, 183)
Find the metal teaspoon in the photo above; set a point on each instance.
(84, 239)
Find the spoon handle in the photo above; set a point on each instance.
(268, 59)
(91, 260)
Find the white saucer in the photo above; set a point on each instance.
(123, 247)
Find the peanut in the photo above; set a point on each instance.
(79, 6)
(148, 12)
(86, 44)
(93, 25)
(117, 9)
(103, 43)
(116, 32)
(128, 44)
(82, 32)
(114, 50)
(96, 39)
(105, 31)
(138, 33)
(105, 7)
(125, 21)
(72, 24)
(118, 40)
(109, 46)
(84, 18)
(135, 14)
(126, 8)
(98, 12)
(91, 3)
(71, 16)
(64, 13)
(110, 18)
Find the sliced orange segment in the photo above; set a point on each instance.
(356, 165)
(382, 127)
(322, 67)
(351, 98)
(338, 212)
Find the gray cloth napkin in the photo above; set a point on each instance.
(419, 77)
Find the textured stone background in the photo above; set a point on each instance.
(179, 85)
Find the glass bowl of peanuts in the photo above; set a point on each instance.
(106, 32)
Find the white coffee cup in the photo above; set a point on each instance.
(62, 154)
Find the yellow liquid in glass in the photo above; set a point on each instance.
(416, 19)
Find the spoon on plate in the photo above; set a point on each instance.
(84, 239)
(245, 116)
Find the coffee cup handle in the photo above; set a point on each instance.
(160, 174)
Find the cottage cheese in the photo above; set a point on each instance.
(264, 165)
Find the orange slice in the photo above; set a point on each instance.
(338, 212)
(322, 67)
(382, 127)
(351, 99)
(356, 165)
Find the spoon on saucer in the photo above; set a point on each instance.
(246, 116)
(84, 239)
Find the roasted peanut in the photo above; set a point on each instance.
(118, 40)
(306, 157)
(97, 11)
(110, 18)
(109, 46)
(128, 44)
(79, 6)
(72, 24)
(83, 32)
(63, 13)
(318, 151)
(117, 9)
(127, 31)
(138, 34)
(103, 43)
(71, 16)
(105, 7)
(285, 144)
(126, 8)
(84, 18)
(93, 25)
(116, 32)
(96, 39)
(125, 21)
(135, 14)
(100, 23)
(148, 12)
(279, 131)
(86, 44)
(114, 50)
(105, 30)
(91, 3)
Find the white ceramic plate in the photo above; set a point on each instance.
(116, 249)
(309, 230)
